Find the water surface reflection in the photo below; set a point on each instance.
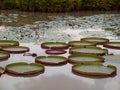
(55, 78)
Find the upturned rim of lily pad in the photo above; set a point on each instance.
(45, 45)
(27, 73)
(99, 74)
(7, 55)
(26, 49)
(71, 50)
(14, 43)
(94, 39)
(75, 61)
(51, 63)
(111, 45)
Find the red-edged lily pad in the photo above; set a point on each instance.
(55, 52)
(80, 43)
(51, 60)
(112, 45)
(54, 45)
(88, 50)
(84, 58)
(15, 49)
(23, 68)
(4, 55)
(96, 40)
(94, 69)
(4, 43)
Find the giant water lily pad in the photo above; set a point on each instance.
(113, 58)
(84, 58)
(51, 60)
(96, 40)
(88, 50)
(94, 69)
(4, 55)
(112, 45)
(79, 43)
(22, 68)
(1, 70)
(15, 49)
(4, 43)
(54, 45)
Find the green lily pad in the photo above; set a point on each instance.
(114, 58)
(4, 55)
(15, 49)
(1, 70)
(22, 68)
(94, 69)
(79, 43)
(54, 45)
(4, 43)
(96, 40)
(112, 45)
(88, 50)
(51, 60)
(84, 58)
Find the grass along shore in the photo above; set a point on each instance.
(59, 5)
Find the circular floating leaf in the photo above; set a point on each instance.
(114, 58)
(112, 45)
(88, 50)
(4, 43)
(84, 58)
(55, 52)
(96, 40)
(51, 60)
(22, 68)
(79, 43)
(1, 70)
(54, 45)
(15, 49)
(94, 69)
(4, 55)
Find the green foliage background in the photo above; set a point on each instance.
(60, 5)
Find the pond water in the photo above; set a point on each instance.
(31, 28)
(38, 27)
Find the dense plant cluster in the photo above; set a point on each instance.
(60, 5)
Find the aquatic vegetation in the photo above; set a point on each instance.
(57, 27)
